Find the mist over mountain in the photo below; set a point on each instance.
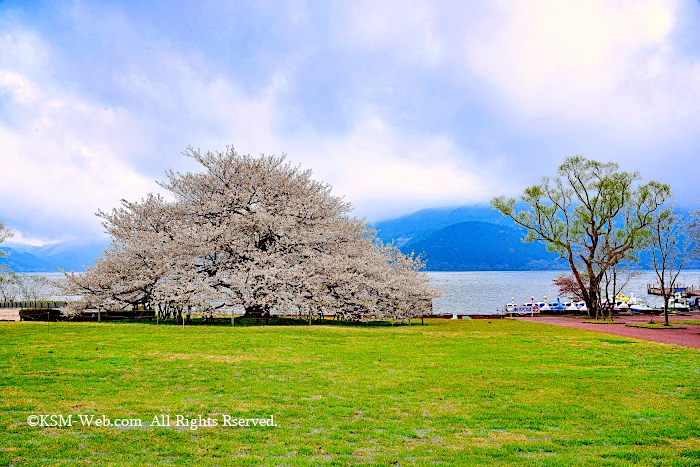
(467, 238)
(420, 224)
(476, 238)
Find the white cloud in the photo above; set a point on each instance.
(63, 155)
(68, 155)
(595, 63)
(22, 239)
(403, 28)
(549, 66)
(540, 69)
(382, 170)
(551, 78)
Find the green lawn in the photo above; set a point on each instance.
(655, 326)
(448, 393)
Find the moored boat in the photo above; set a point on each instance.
(639, 305)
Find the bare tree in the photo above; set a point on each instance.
(671, 247)
(8, 284)
(694, 231)
(615, 280)
(32, 287)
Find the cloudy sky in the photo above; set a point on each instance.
(400, 105)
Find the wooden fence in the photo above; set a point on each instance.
(33, 304)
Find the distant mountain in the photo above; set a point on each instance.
(71, 256)
(416, 226)
(21, 261)
(482, 246)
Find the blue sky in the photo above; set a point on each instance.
(400, 105)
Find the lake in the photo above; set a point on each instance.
(485, 292)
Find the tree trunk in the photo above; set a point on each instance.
(593, 302)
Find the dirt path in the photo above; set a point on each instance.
(689, 337)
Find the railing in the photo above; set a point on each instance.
(33, 304)
(684, 290)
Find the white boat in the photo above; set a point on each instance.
(575, 306)
(512, 308)
(678, 303)
(620, 303)
(639, 305)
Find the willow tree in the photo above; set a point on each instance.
(4, 235)
(8, 279)
(592, 214)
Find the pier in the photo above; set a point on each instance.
(686, 291)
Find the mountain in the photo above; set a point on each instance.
(416, 226)
(71, 256)
(482, 246)
(21, 261)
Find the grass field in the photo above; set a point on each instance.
(448, 393)
(655, 326)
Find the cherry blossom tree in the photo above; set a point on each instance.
(568, 286)
(254, 232)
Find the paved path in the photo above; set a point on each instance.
(9, 314)
(689, 337)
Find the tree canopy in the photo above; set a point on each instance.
(592, 214)
(5, 233)
(8, 279)
(255, 232)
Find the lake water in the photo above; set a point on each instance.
(485, 292)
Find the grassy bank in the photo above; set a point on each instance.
(450, 393)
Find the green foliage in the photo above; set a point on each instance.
(4, 235)
(654, 326)
(602, 321)
(449, 393)
(592, 214)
